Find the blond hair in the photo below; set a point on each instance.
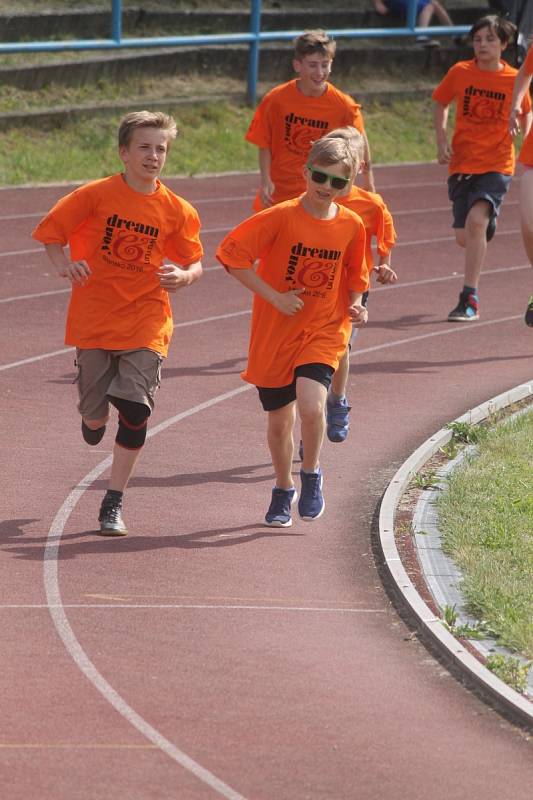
(353, 137)
(312, 42)
(145, 119)
(335, 150)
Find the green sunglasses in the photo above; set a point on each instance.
(317, 176)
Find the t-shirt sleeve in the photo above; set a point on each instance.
(354, 115)
(183, 246)
(249, 241)
(260, 130)
(65, 218)
(446, 90)
(356, 266)
(386, 235)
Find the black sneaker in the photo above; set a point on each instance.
(466, 309)
(110, 519)
(529, 312)
(92, 436)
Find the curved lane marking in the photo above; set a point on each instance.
(57, 610)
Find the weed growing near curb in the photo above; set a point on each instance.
(510, 670)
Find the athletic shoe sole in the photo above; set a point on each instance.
(109, 532)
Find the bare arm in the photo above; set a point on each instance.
(267, 187)
(521, 85)
(286, 302)
(173, 277)
(76, 271)
(440, 122)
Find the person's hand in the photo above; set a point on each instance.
(171, 277)
(380, 7)
(444, 153)
(358, 315)
(76, 271)
(288, 303)
(266, 192)
(385, 274)
(514, 122)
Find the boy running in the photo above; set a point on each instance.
(294, 115)
(307, 291)
(481, 159)
(522, 84)
(377, 219)
(119, 319)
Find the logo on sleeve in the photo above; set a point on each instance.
(128, 244)
(314, 268)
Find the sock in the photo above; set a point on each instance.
(470, 290)
(112, 497)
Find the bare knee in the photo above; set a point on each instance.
(460, 236)
(311, 410)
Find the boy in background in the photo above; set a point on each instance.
(481, 157)
(307, 290)
(521, 87)
(294, 115)
(119, 319)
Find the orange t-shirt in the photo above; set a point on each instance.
(295, 250)
(481, 141)
(124, 236)
(526, 153)
(376, 217)
(287, 122)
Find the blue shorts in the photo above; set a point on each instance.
(280, 396)
(400, 6)
(465, 190)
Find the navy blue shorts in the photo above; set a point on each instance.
(280, 396)
(400, 6)
(465, 190)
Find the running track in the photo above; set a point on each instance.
(204, 655)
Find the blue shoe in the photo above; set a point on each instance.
(279, 511)
(529, 313)
(338, 420)
(311, 504)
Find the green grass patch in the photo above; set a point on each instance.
(211, 140)
(486, 519)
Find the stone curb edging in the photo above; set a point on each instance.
(519, 707)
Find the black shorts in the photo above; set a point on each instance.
(280, 396)
(465, 190)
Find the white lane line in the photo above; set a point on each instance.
(195, 606)
(233, 314)
(437, 239)
(21, 252)
(74, 648)
(57, 610)
(33, 296)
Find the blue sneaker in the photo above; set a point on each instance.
(279, 511)
(311, 504)
(338, 420)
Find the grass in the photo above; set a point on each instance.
(211, 140)
(486, 518)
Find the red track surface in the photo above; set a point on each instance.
(272, 659)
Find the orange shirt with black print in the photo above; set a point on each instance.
(526, 153)
(481, 140)
(377, 220)
(287, 122)
(123, 236)
(326, 258)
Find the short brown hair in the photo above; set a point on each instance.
(312, 42)
(503, 28)
(145, 119)
(335, 150)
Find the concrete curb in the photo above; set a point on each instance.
(517, 705)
